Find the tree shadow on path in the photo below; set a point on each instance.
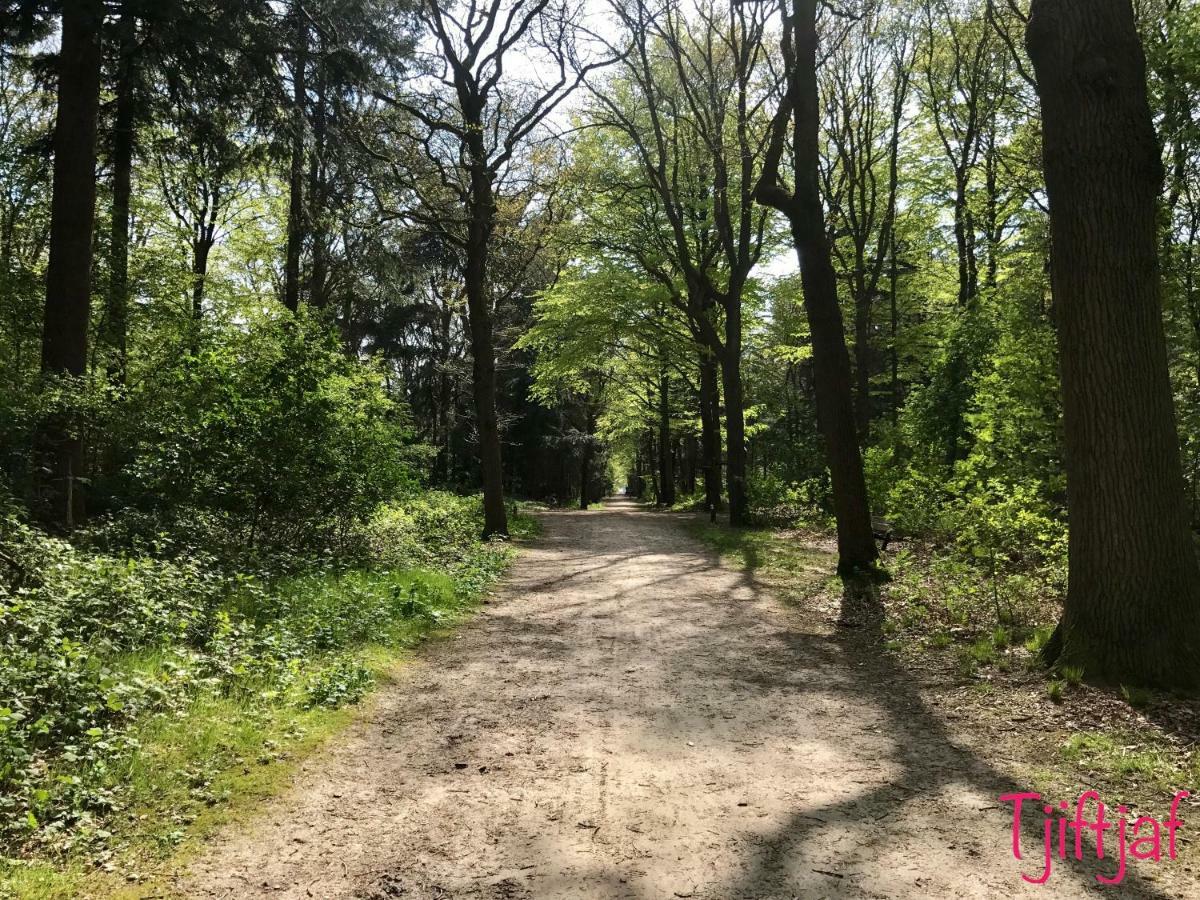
(925, 759)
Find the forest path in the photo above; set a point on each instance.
(629, 718)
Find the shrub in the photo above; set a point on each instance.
(93, 644)
(269, 437)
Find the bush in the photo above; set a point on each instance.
(269, 438)
(92, 645)
(432, 529)
(777, 501)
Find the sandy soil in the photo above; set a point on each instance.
(630, 719)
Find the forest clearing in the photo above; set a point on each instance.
(723, 449)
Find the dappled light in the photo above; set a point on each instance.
(710, 449)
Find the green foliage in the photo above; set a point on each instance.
(93, 647)
(1072, 675)
(1125, 756)
(778, 501)
(272, 435)
(1138, 698)
(346, 681)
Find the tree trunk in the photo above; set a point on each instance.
(894, 295)
(201, 249)
(964, 240)
(862, 362)
(1132, 612)
(710, 429)
(831, 360)
(585, 467)
(72, 221)
(691, 454)
(652, 459)
(441, 466)
(666, 461)
(318, 290)
(296, 229)
(479, 233)
(116, 311)
(993, 229)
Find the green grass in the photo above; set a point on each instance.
(211, 759)
(208, 766)
(691, 503)
(1121, 757)
(775, 558)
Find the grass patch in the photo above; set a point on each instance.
(1125, 757)
(210, 765)
(202, 731)
(798, 571)
(210, 759)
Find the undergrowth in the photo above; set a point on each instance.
(141, 696)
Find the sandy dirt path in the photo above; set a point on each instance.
(630, 719)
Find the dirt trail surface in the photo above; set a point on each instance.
(630, 719)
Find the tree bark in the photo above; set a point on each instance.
(735, 417)
(964, 239)
(441, 466)
(862, 362)
(318, 291)
(585, 466)
(481, 224)
(201, 250)
(116, 313)
(831, 360)
(710, 430)
(296, 225)
(894, 297)
(72, 223)
(691, 453)
(666, 460)
(1132, 613)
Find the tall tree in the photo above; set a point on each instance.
(477, 120)
(1132, 611)
(296, 224)
(690, 99)
(73, 210)
(866, 88)
(121, 154)
(799, 114)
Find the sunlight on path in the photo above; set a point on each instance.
(631, 720)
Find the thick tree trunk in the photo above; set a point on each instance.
(296, 226)
(710, 430)
(116, 312)
(831, 360)
(483, 351)
(666, 460)
(835, 405)
(72, 222)
(1132, 612)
